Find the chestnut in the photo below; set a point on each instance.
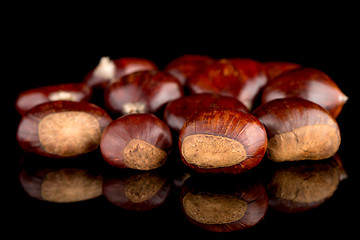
(142, 92)
(255, 79)
(62, 128)
(137, 141)
(186, 65)
(220, 77)
(298, 130)
(62, 92)
(301, 186)
(178, 111)
(310, 84)
(109, 70)
(222, 141)
(223, 205)
(276, 68)
(137, 191)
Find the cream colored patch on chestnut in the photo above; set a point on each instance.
(214, 208)
(141, 155)
(313, 142)
(63, 96)
(142, 187)
(210, 151)
(71, 185)
(69, 133)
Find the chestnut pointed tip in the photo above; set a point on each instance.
(343, 98)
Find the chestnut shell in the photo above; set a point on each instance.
(27, 133)
(32, 97)
(122, 131)
(307, 83)
(123, 67)
(232, 124)
(150, 89)
(178, 111)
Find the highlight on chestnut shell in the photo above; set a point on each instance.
(28, 99)
(307, 83)
(178, 111)
(222, 141)
(62, 129)
(137, 141)
(142, 92)
(298, 130)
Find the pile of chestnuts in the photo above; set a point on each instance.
(225, 114)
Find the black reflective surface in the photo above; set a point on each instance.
(321, 201)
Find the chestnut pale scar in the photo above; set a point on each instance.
(214, 208)
(312, 142)
(210, 151)
(69, 133)
(141, 155)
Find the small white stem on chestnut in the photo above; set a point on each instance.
(343, 98)
(63, 96)
(129, 108)
(105, 69)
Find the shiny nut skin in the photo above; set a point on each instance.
(142, 92)
(68, 91)
(310, 84)
(61, 129)
(222, 141)
(178, 111)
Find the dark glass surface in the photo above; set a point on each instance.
(69, 60)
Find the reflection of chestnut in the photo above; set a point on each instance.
(63, 92)
(110, 70)
(223, 205)
(186, 65)
(178, 111)
(274, 69)
(310, 84)
(138, 141)
(222, 141)
(137, 192)
(298, 130)
(60, 184)
(142, 92)
(62, 128)
(297, 187)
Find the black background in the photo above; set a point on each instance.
(46, 51)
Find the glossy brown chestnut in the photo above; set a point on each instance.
(137, 192)
(310, 84)
(223, 205)
(62, 92)
(110, 70)
(137, 141)
(298, 187)
(255, 79)
(298, 130)
(62, 128)
(186, 65)
(222, 141)
(142, 92)
(274, 69)
(178, 111)
(220, 77)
